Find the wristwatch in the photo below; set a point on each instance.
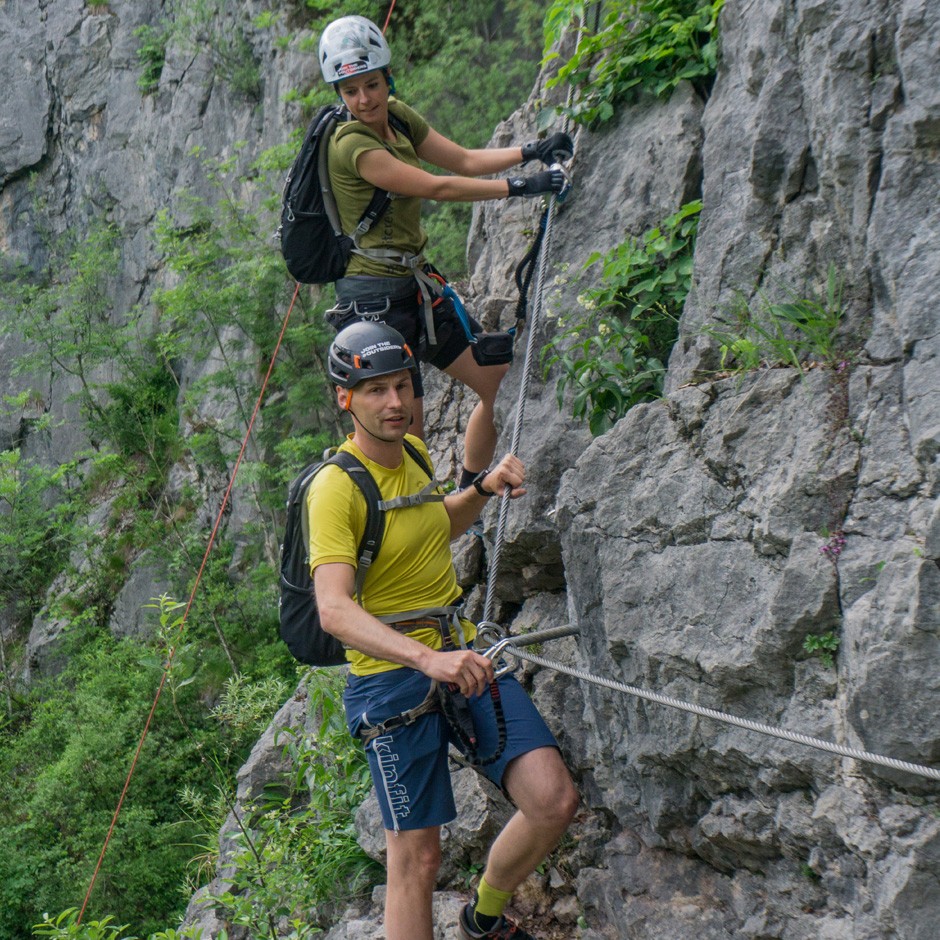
(477, 483)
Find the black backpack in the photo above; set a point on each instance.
(299, 618)
(314, 246)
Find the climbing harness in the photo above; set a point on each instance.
(442, 697)
(428, 706)
(488, 349)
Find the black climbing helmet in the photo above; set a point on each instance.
(365, 350)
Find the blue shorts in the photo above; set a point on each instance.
(409, 764)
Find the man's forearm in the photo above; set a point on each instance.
(359, 630)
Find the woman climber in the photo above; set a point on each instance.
(388, 277)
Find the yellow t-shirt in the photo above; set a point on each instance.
(413, 569)
(399, 227)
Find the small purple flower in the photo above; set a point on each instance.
(833, 548)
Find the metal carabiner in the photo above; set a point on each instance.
(496, 636)
(444, 288)
(562, 195)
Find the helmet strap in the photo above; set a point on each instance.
(361, 427)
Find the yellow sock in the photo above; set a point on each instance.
(490, 902)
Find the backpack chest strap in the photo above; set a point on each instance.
(426, 495)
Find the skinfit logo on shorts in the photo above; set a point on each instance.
(395, 793)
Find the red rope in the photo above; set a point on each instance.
(387, 18)
(192, 596)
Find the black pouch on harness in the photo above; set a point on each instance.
(492, 349)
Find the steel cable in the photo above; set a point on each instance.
(510, 645)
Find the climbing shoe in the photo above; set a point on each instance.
(504, 928)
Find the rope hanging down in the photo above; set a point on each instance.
(545, 236)
(192, 597)
(510, 644)
(541, 249)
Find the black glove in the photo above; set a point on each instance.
(553, 149)
(548, 181)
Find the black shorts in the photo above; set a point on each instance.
(406, 314)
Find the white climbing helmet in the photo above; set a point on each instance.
(350, 46)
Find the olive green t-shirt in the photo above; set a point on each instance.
(399, 227)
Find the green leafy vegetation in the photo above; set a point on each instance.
(797, 331)
(612, 353)
(304, 863)
(61, 782)
(823, 645)
(68, 736)
(640, 45)
(65, 926)
(151, 55)
(33, 515)
(200, 26)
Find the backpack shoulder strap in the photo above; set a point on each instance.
(329, 123)
(400, 126)
(371, 539)
(417, 457)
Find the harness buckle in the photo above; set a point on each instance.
(427, 706)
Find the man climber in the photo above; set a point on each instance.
(405, 641)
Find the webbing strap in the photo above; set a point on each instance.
(426, 495)
(429, 705)
(421, 614)
(428, 287)
(441, 615)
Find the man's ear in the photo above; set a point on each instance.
(344, 397)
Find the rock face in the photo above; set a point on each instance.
(699, 542)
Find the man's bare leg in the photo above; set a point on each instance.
(414, 857)
(542, 789)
